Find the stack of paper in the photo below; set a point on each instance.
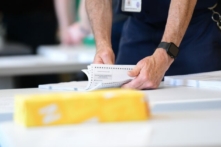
(99, 76)
(201, 80)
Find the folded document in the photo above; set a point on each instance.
(99, 76)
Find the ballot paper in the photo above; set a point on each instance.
(99, 76)
(201, 80)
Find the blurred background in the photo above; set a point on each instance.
(47, 41)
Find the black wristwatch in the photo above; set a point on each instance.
(171, 48)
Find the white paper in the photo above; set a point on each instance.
(99, 76)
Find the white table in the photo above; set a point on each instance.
(165, 99)
(163, 129)
(194, 128)
(50, 60)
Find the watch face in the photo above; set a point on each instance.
(173, 50)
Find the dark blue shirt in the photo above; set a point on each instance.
(156, 11)
(200, 49)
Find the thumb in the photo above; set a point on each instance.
(135, 72)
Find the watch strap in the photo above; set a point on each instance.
(171, 48)
(164, 45)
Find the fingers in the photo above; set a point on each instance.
(104, 56)
(142, 81)
(65, 38)
(134, 84)
(135, 72)
(140, 84)
(98, 60)
(149, 85)
(75, 33)
(137, 82)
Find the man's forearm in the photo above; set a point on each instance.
(64, 10)
(179, 16)
(100, 16)
(84, 22)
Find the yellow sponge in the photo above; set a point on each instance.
(76, 107)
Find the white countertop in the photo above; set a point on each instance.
(163, 129)
(174, 123)
(165, 96)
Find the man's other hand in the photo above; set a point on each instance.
(150, 71)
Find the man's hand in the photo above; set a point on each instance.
(74, 34)
(104, 56)
(78, 32)
(149, 71)
(65, 37)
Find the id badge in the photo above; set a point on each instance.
(131, 5)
